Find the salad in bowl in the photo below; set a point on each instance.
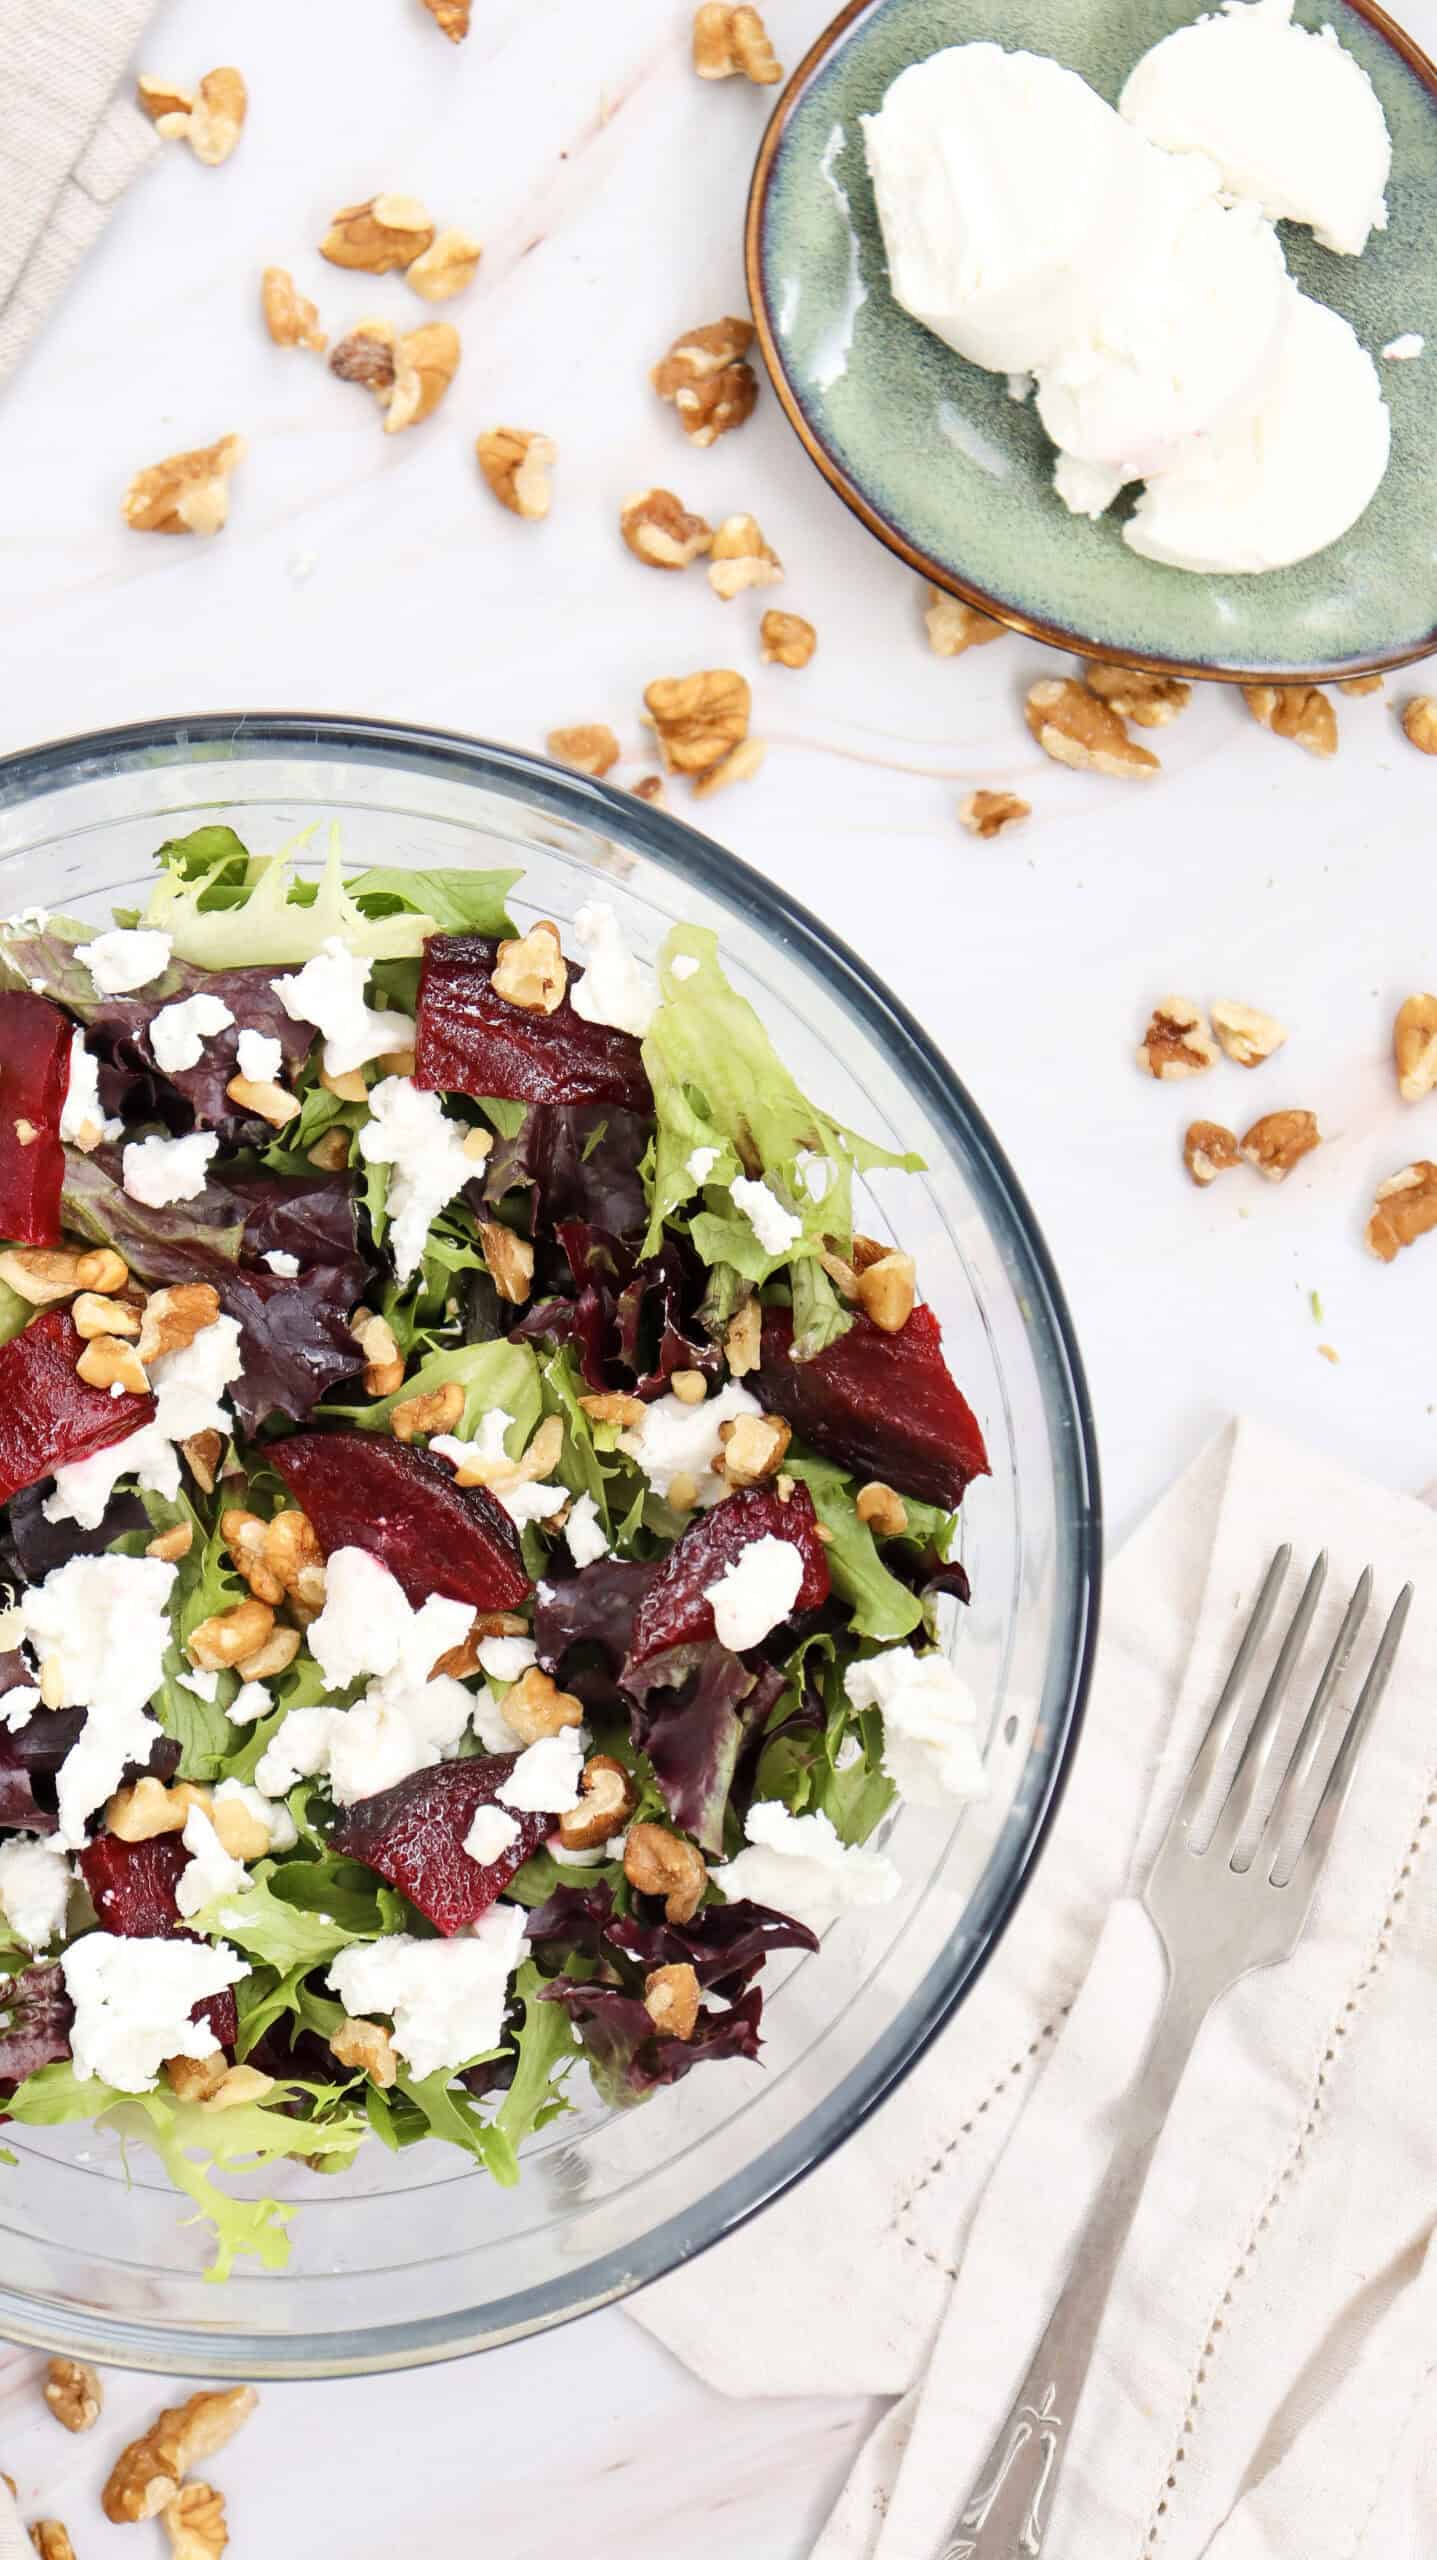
(477, 1520)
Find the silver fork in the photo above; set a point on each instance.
(1222, 1910)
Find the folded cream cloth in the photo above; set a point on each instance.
(70, 143)
(1265, 2384)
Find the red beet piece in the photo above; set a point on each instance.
(48, 1415)
(471, 1040)
(34, 1080)
(132, 1886)
(413, 1835)
(404, 1507)
(883, 1404)
(674, 1611)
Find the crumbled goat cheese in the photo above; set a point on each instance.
(1399, 350)
(612, 988)
(34, 1889)
(545, 1778)
(446, 1996)
(285, 1265)
(797, 1863)
(775, 1227)
(121, 961)
(81, 1116)
(408, 1130)
(160, 1171)
(133, 1998)
(755, 1593)
(584, 1533)
(930, 1742)
(701, 1163)
(489, 1834)
(252, 1702)
(189, 1383)
(607, 1849)
(406, 1720)
(489, 1445)
(179, 1031)
(526, 1502)
(277, 1818)
(18, 1704)
(329, 992)
(204, 1684)
(678, 1439)
(507, 1657)
(684, 966)
(368, 1626)
(259, 1056)
(815, 1172)
(210, 1871)
(101, 1625)
(83, 1489)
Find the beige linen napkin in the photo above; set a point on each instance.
(70, 143)
(1265, 2385)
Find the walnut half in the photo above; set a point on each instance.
(186, 493)
(987, 813)
(1404, 1208)
(699, 719)
(379, 235)
(195, 2523)
(742, 559)
(728, 40)
(660, 1862)
(516, 464)
(1414, 1047)
(706, 378)
(660, 531)
(1177, 1041)
(1246, 1035)
(1208, 1150)
(785, 639)
(72, 2393)
(292, 321)
(1075, 728)
(954, 626)
(1277, 1143)
(149, 2472)
(1151, 701)
(1296, 711)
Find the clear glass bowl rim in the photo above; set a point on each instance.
(29, 774)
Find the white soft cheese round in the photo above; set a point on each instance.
(1001, 180)
(1183, 329)
(1291, 119)
(1286, 479)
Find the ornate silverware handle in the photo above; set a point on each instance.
(1005, 2516)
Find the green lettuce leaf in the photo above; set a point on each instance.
(273, 924)
(303, 1913)
(15, 1312)
(883, 1607)
(492, 1374)
(455, 901)
(548, 2046)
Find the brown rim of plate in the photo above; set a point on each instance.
(1054, 634)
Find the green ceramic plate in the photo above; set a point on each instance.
(957, 478)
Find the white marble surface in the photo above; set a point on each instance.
(375, 575)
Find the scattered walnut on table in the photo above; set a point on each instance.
(1414, 1047)
(659, 1862)
(954, 626)
(987, 813)
(448, 266)
(742, 559)
(385, 232)
(73, 2393)
(425, 363)
(1151, 700)
(591, 748)
(1208, 1150)
(660, 531)
(707, 379)
(291, 319)
(187, 492)
(516, 464)
(785, 639)
(671, 1997)
(728, 40)
(1246, 1036)
(51, 2539)
(698, 719)
(1177, 1041)
(366, 355)
(1404, 1208)
(451, 17)
(150, 2471)
(162, 97)
(1075, 728)
(195, 2523)
(1419, 722)
(740, 766)
(1296, 711)
(211, 123)
(1277, 1143)
(531, 971)
(1359, 684)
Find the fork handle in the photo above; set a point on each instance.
(1005, 2516)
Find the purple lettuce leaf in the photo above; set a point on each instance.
(118, 1030)
(577, 1161)
(38, 2016)
(658, 1328)
(596, 1606)
(695, 1708)
(632, 1324)
(32, 1546)
(727, 1943)
(583, 1321)
(627, 2059)
(296, 1338)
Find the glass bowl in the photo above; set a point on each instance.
(401, 2261)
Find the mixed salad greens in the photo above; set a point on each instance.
(474, 1520)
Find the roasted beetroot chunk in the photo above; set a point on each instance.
(34, 1079)
(883, 1404)
(413, 1835)
(674, 1610)
(132, 1886)
(405, 1508)
(48, 1415)
(471, 1040)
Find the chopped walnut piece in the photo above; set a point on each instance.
(266, 1101)
(1419, 722)
(1246, 1035)
(589, 749)
(1152, 701)
(741, 766)
(1278, 1142)
(425, 363)
(531, 972)
(705, 377)
(1296, 711)
(51, 2540)
(1208, 1150)
(728, 40)
(420, 1416)
(516, 463)
(1177, 1041)
(93, 1315)
(446, 267)
(785, 639)
(271, 1657)
(671, 1997)
(294, 1555)
(887, 1289)
(362, 2046)
(1404, 1208)
(625, 1412)
(743, 1341)
(41, 1274)
(608, 1795)
(241, 1832)
(211, 123)
(383, 1361)
(658, 1861)
(698, 719)
(162, 97)
(172, 1544)
(954, 626)
(195, 2522)
(149, 1809)
(1414, 1047)
(72, 2393)
(194, 2081)
(753, 1448)
(536, 1706)
(987, 813)
(222, 1642)
(173, 1317)
(742, 559)
(1073, 727)
(660, 531)
(148, 2472)
(291, 320)
(383, 233)
(187, 493)
(107, 1362)
(202, 1453)
(241, 2086)
(689, 1385)
(451, 17)
(366, 355)
(881, 1510)
(1359, 684)
(509, 1260)
(649, 787)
